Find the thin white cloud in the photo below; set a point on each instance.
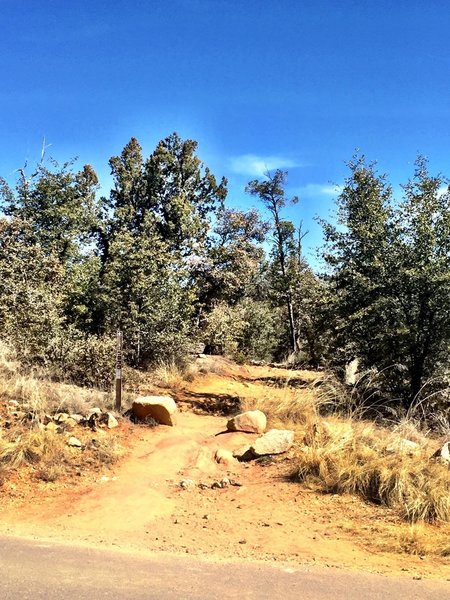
(314, 190)
(252, 165)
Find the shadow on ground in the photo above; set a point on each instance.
(211, 404)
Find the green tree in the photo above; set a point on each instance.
(359, 254)
(271, 192)
(153, 235)
(234, 258)
(183, 193)
(390, 276)
(30, 292)
(58, 204)
(422, 224)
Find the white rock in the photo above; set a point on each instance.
(275, 441)
(443, 454)
(111, 421)
(403, 446)
(187, 484)
(76, 417)
(351, 372)
(161, 408)
(74, 442)
(223, 456)
(251, 421)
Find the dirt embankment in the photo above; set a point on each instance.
(140, 505)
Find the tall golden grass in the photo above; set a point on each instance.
(347, 455)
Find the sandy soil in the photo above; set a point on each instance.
(139, 504)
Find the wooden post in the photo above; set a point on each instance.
(118, 405)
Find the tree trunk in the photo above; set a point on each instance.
(293, 333)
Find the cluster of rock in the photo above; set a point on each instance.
(60, 422)
(189, 484)
(65, 423)
(94, 418)
(274, 441)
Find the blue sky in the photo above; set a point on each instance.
(291, 84)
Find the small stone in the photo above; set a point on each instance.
(94, 411)
(74, 442)
(224, 457)
(77, 418)
(187, 484)
(111, 421)
(235, 483)
(443, 454)
(60, 417)
(243, 453)
(51, 426)
(403, 446)
(242, 541)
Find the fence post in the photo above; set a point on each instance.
(119, 345)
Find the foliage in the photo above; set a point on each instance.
(389, 276)
(271, 192)
(233, 262)
(30, 296)
(247, 329)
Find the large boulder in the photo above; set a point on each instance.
(275, 441)
(251, 421)
(160, 408)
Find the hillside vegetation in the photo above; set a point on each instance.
(165, 260)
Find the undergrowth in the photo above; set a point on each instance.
(339, 452)
(26, 400)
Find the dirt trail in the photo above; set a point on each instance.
(140, 505)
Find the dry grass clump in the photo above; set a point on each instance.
(107, 450)
(363, 461)
(9, 365)
(40, 396)
(25, 400)
(172, 375)
(50, 456)
(419, 539)
(340, 455)
(288, 406)
(30, 446)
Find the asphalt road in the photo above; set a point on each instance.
(35, 570)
